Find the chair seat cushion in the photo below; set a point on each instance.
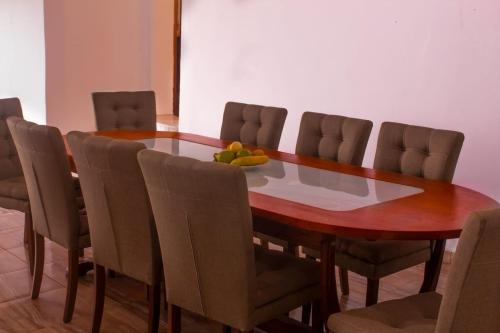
(14, 188)
(414, 314)
(280, 274)
(378, 252)
(377, 259)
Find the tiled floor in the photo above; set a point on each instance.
(125, 307)
(167, 122)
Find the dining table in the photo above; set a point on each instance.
(310, 202)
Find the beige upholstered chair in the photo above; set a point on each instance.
(470, 302)
(332, 137)
(211, 266)
(13, 192)
(337, 138)
(125, 110)
(121, 222)
(410, 150)
(255, 125)
(57, 212)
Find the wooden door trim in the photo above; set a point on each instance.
(177, 55)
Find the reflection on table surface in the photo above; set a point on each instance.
(319, 188)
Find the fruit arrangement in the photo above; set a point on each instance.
(235, 154)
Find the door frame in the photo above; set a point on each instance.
(177, 55)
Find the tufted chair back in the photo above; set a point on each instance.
(472, 295)
(48, 177)
(204, 224)
(9, 160)
(120, 218)
(125, 110)
(332, 137)
(418, 151)
(255, 125)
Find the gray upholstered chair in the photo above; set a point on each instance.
(211, 266)
(410, 150)
(332, 137)
(255, 125)
(58, 213)
(125, 110)
(470, 302)
(121, 222)
(13, 192)
(337, 138)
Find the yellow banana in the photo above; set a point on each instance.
(250, 160)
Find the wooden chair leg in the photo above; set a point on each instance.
(71, 288)
(317, 318)
(111, 273)
(29, 239)
(344, 280)
(165, 302)
(226, 329)
(154, 292)
(99, 292)
(306, 314)
(372, 291)
(433, 267)
(174, 319)
(38, 269)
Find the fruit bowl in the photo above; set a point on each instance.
(236, 155)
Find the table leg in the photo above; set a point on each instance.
(330, 300)
(433, 267)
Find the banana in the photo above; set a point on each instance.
(250, 160)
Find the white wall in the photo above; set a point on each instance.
(432, 63)
(97, 45)
(22, 55)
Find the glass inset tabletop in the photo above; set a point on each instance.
(302, 184)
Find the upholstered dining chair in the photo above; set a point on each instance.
(410, 150)
(211, 266)
(58, 212)
(470, 301)
(13, 192)
(125, 110)
(254, 125)
(332, 137)
(121, 222)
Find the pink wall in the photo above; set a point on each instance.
(431, 63)
(22, 55)
(96, 45)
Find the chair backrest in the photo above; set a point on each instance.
(51, 189)
(120, 218)
(418, 151)
(333, 137)
(204, 225)
(9, 160)
(472, 297)
(255, 125)
(125, 110)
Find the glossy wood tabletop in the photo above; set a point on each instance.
(439, 212)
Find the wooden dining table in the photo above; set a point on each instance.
(310, 201)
